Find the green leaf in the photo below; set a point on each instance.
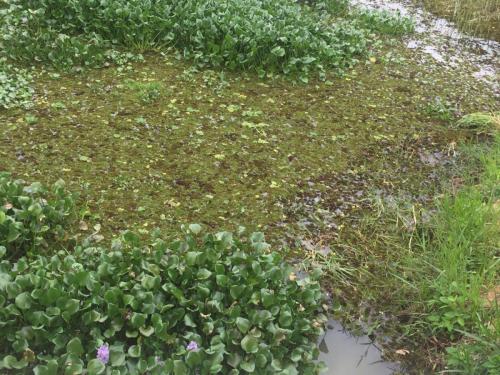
(248, 366)
(188, 321)
(290, 370)
(95, 367)
(73, 369)
(131, 333)
(20, 345)
(142, 366)
(193, 359)
(50, 369)
(278, 51)
(285, 318)
(203, 274)
(11, 362)
(250, 344)
(243, 324)
(23, 301)
(267, 297)
(148, 282)
(221, 280)
(3, 251)
(257, 237)
(236, 291)
(260, 360)
(72, 306)
(296, 355)
(233, 359)
(195, 228)
(138, 320)
(180, 368)
(13, 233)
(216, 368)
(111, 296)
(134, 351)
(146, 331)
(75, 347)
(116, 356)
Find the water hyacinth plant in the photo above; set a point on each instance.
(15, 86)
(211, 304)
(103, 354)
(32, 215)
(267, 36)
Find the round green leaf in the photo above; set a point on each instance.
(250, 344)
(73, 369)
(134, 351)
(193, 359)
(180, 368)
(243, 324)
(147, 331)
(75, 347)
(116, 356)
(23, 301)
(248, 366)
(95, 367)
(195, 228)
(203, 274)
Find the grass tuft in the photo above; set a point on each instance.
(480, 122)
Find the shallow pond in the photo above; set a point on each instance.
(345, 354)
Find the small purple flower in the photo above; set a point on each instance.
(192, 346)
(103, 353)
(158, 361)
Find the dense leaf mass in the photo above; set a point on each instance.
(195, 306)
(32, 216)
(263, 35)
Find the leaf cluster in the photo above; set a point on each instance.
(234, 298)
(32, 216)
(266, 36)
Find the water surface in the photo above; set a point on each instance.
(345, 354)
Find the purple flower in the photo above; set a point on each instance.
(192, 346)
(159, 361)
(103, 353)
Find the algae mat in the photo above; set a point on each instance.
(158, 143)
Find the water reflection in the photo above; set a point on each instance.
(345, 354)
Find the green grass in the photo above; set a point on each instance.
(483, 123)
(441, 266)
(462, 248)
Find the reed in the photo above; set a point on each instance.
(479, 17)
